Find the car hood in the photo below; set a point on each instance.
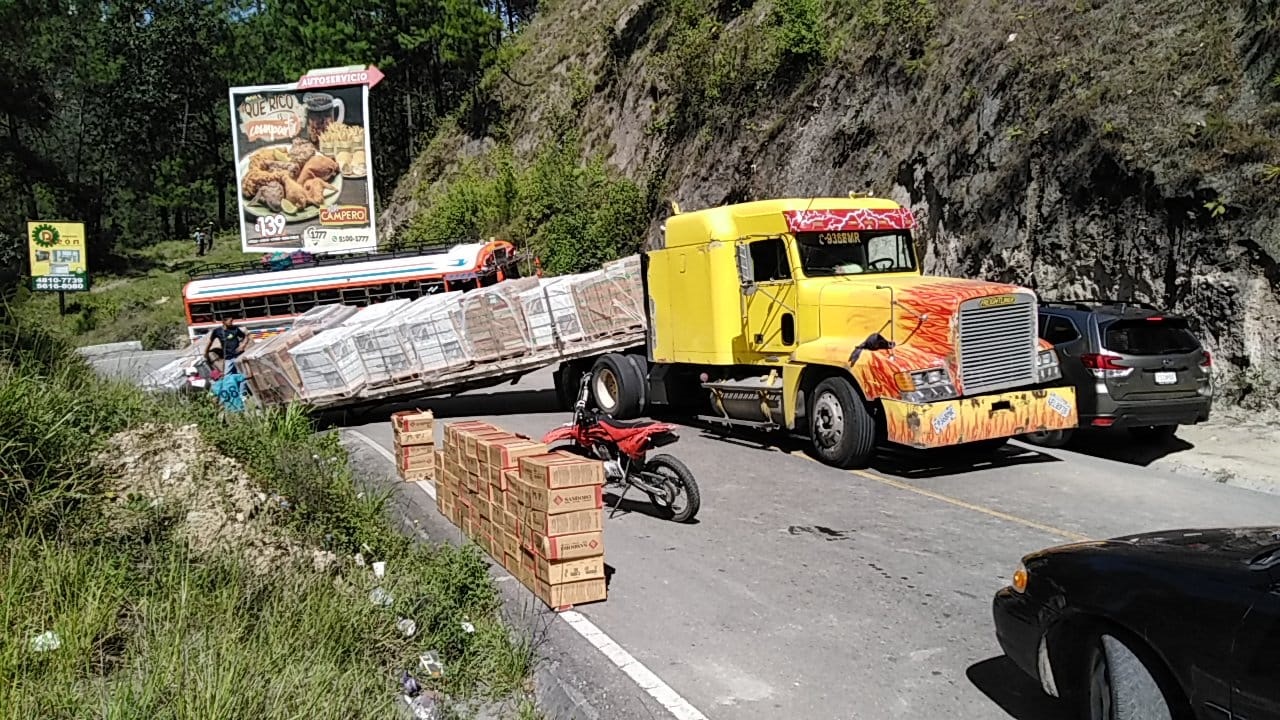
(1193, 546)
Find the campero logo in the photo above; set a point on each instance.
(45, 236)
(997, 301)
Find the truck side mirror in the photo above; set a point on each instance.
(746, 270)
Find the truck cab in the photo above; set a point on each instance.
(812, 316)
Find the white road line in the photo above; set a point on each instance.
(643, 676)
(680, 708)
(427, 487)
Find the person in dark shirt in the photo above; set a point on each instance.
(233, 341)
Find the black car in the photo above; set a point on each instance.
(1133, 367)
(1177, 624)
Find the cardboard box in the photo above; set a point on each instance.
(561, 470)
(561, 500)
(416, 437)
(506, 454)
(471, 440)
(512, 564)
(567, 571)
(569, 547)
(409, 421)
(456, 434)
(570, 523)
(577, 593)
(510, 543)
(415, 456)
(511, 482)
(417, 474)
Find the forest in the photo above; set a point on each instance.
(116, 113)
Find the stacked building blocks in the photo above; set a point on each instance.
(415, 445)
(537, 513)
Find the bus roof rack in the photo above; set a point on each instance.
(248, 267)
(1093, 303)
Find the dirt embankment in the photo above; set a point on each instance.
(216, 506)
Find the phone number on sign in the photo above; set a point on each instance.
(60, 283)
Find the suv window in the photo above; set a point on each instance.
(1156, 336)
(1058, 330)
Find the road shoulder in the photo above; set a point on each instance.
(573, 681)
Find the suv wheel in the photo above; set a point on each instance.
(1049, 438)
(1154, 434)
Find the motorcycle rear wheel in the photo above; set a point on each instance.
(680, 479)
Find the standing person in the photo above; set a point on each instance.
(233, 341)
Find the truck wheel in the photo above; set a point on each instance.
(567, 377)
(615, 386)
(843, 433)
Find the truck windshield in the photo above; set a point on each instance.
(824, 254)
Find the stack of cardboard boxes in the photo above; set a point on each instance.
(539, 514)
(415, 445)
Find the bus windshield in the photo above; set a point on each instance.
(827, 254)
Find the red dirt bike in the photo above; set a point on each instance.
(624, 447)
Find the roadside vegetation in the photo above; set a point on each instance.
(160, 560)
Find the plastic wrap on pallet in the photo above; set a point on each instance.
(269, 369)
(387, 359)
(173, 374)
(323, 317)
(551, 313)
(608, 305)
(329, 363)
(427, 327)
(492, 322)
(376, 312)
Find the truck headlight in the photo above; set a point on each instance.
(922, 386)
(1047, 367)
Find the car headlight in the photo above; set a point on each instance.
(922, 386)
(1047, 367)
(1019, 583)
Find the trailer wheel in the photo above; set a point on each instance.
(615, 386)
(842, 431)
(567, 377)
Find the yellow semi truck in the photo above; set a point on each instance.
(812, 316)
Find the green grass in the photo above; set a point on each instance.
(141, 301)
(152, 627)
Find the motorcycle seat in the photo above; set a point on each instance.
(623, 424)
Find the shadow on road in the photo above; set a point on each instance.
(1121, 446)
(495, 402)
(896, 461)
(1015, 693)
(921, 464)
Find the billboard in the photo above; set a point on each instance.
(59, 256)
(304, 170)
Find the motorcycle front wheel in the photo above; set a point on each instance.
(682, 499)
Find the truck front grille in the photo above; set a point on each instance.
(997, 345)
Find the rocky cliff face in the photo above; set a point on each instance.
(1104, 148)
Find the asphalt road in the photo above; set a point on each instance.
(809, 592)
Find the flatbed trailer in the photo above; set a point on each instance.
(480, 376)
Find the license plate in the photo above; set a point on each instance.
(1166, 378)
(1058, 405)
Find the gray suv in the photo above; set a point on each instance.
(1133, 367)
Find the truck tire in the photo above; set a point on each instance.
(642, 370)
(841, 430)
(615, 387)
(567, 377)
